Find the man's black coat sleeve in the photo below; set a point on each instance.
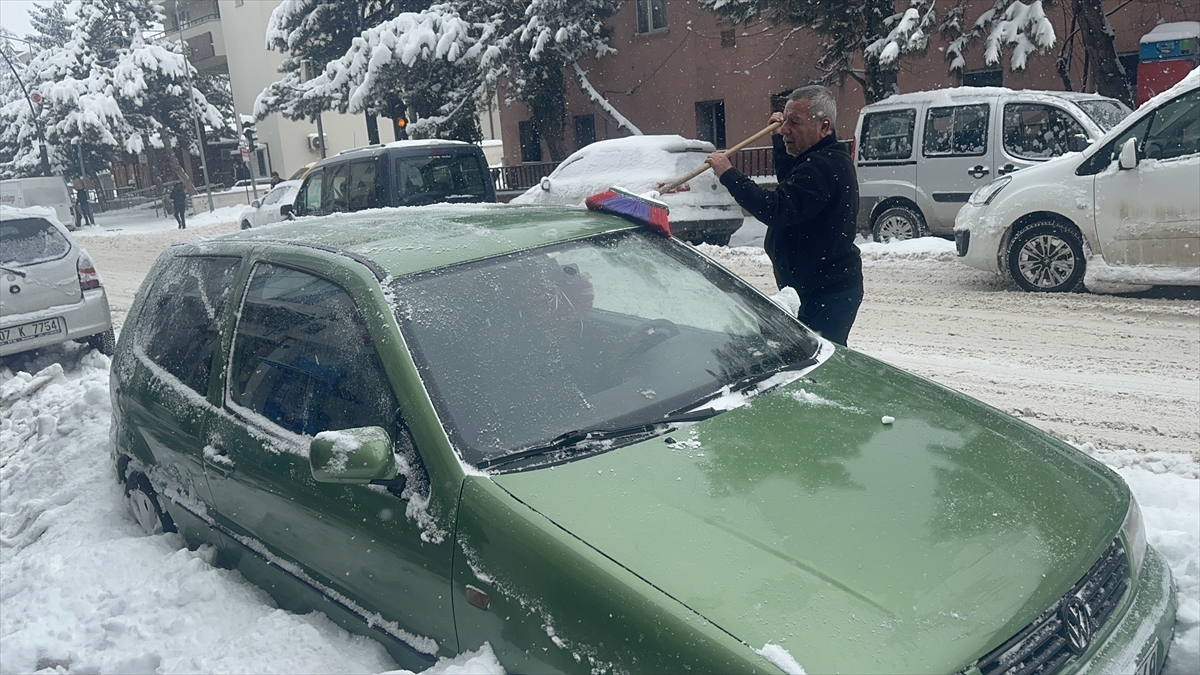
(794, 203)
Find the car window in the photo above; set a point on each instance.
(311, 199)
(27, 241)
(179, 324)
(273, 196)
(303, 358)
(1040, 131)
(437, 178)
(611, 330)
(887, 135)
(1175, 129)
(1105, 113)
(959, 130)
(364, 189)
(333, 199)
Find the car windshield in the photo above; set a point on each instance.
(1105, 113)
(440, 178)
(26, 241)
(599, 333)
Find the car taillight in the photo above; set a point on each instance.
(89, 278)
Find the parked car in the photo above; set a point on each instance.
(1125, 211)
(273, 207)
(595, 449)
(966, 136)
(702, 210)
(402, 173)
(300, 173)
(51, 291)
(50, 191)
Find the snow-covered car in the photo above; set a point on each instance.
(1125, 211)
(51, 291)
(273, 207)
(702, 210)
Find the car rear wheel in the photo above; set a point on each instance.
(105, 343)
(1047, 257)
(143, 503)
(898, 223)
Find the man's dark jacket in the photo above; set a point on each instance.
(810, 217)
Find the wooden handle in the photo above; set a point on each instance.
(667, 187)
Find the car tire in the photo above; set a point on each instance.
(1047, 257)
(717, 239)
(245, 224)
(898, 223)
(105, 343)
(143, 503)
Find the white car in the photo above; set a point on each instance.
(270, 209)
(701, 210)
(1124, 212)
(51, 291)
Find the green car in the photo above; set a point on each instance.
(598, 451)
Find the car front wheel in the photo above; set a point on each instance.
(143, 503)
(1047, 257)
(245, 224)
(898, 223)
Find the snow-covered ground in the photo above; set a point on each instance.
(82, 590)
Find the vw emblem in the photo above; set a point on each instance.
(1077, 624)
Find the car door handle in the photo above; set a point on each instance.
(218, 460)
(978, 171)
(1007, 169)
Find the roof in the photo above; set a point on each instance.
(1179, 30)
(949, 94)
(405, 240)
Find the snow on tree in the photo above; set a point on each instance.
(1013, 23)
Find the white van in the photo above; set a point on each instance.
(49, 191)
(920, 156)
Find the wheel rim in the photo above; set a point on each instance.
(1046, 261)
(145, 512)
(896, 227)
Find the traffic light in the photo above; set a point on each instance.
(250, 133)
(398, 113)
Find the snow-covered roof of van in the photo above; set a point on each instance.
(1178, 30)
(956, 94)
(662, 142)
(413, 143)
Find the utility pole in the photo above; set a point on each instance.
(187, 74)
(37, 121)
(306, 74)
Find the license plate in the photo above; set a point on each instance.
(31, 330)
(1149, 664)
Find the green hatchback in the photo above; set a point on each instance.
(600, 452)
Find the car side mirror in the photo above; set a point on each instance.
(1128, 158)
(286, 211)
(352, 456)
(254, 204)
(545, 184)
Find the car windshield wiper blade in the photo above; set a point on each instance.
(11, 270)
(587, 439)
(745, 382)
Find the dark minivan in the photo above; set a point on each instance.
(403, 173)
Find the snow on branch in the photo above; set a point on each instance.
(1023, 26)
(598, 99)
(908, 34)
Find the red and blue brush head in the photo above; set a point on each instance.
(642, 210)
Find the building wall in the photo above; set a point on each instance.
(656, 79)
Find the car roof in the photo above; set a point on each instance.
(959, 94)
(405, 240)
(415, 147)
(46, 213)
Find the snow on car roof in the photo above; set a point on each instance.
(46, 212)
(648, 144)
(957, 94)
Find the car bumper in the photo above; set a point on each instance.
(82, 319)
(981, 248)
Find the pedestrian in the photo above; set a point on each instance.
(179, 205)
(275, 179)
(83, 205)
(811, 214)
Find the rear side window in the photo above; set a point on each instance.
(27, 241)
(1040, 131)
(303, 358)
(959, 130)
(887, 135)
(440, 178)
(179, 325)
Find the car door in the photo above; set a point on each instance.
(956, 158)
(1150, 214)
(308, 202)
(303, 361)
(1033, 132)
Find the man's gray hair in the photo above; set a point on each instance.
(820, 101)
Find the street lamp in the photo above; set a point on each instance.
(36, 119)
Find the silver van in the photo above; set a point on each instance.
(919, 156)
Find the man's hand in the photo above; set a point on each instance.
(775, 117)
(719, 161)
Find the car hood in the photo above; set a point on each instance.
(805, 520)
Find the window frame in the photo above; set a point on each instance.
(644, 19)
(911, 113)
(1049, 106)
(925, 130)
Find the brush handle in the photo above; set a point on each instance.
(667, 187)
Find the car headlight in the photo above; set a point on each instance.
(984, 194)
(1134, 532)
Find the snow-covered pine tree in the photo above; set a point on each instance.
(1021, 27)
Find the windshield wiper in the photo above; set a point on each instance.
(10, 270)
(587, 439)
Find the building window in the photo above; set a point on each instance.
(531, 142)
(651, 15)
(710, 122)
(585, 130)
(1130, 63)
(728, 38)
(984, 78)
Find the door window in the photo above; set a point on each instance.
(311, 199)
(1040, 131)
(179, 325)
(956, 131)
(1175, 129)
(888, 135)
(364, 186)
(303, 358)
(334, 198)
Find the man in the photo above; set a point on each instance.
(84, 206)
(275, 179)
(810, 216)
(179, 205)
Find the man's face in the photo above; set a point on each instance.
(800, 132)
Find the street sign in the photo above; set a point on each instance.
(35, 97)
(245, 153)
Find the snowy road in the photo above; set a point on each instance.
(83, 591)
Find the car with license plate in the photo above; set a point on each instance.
(596, 450)
(1122, 215)
(273, 207)
(51, 291)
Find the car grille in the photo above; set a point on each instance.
(1068, 627)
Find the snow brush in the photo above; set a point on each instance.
(646, 209)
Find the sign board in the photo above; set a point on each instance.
(245, 153)
(35, 97)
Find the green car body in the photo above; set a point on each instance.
(797, 518)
